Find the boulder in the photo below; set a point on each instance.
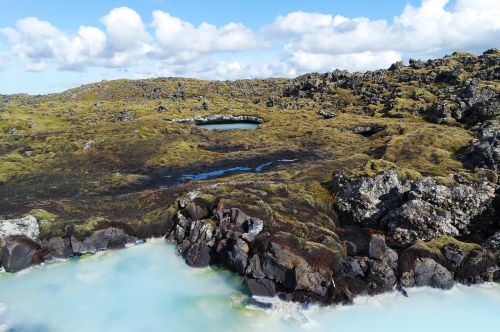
(233, 254)
(429, 273)
(433, 210)
(102, 239)
(378, 248)
(57, 247)
(365, 200)
(292, 271)
(195, 211)
(493, 242)
(20, 253)
(380, 276)
(26, 226)
(260, 287)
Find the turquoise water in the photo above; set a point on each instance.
(149, 288)
(229, 126)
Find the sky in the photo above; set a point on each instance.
(52, 45)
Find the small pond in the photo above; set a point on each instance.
(229, 126)
(232, 170)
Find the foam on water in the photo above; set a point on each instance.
(149, 288)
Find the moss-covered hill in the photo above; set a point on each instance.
(98, 154)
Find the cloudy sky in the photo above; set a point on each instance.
(49, 46)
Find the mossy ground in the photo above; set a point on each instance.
(97, 154)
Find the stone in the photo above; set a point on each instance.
(378, 248)
(351, 268)
(493, 242)
(26, 226)
(429, 273)
(233, 254)
(20, 253)
(102, 239)
(253, 269)
(380, 276)
(453, 254)
(197, 255)
(260, 287)
(57, 247)
(195, 211)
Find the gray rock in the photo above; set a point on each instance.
(197, 255)
(493, 242)
(195, 211)
(253, 269)
(378, 248)
(26, 226)
(233, 253)
(261, 287)
(429, 273)
(57, 247)
(19, 254)
(101, 240)
(351, 268)
(367, 199)
(453, 254)
(380, 276)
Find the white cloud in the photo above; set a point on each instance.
(128, 39)
(290, 45)
(180, 41)
(315, 41)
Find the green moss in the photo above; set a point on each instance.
(438, 244)
(41, 214)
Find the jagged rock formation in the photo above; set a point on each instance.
(411, 210)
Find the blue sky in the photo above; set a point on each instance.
(48, 46)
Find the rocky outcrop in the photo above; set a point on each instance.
(428, 273)
(411, 210)
(234, 240)
(485, 150)
(26, 226)
(220, 118)
(109, 238)
(20, 253)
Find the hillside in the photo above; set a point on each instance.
(361, 151)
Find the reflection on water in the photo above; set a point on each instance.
(229, 126)
(149, 288)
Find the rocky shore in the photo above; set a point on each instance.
(395, 186)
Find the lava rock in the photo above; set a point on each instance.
(20, 253)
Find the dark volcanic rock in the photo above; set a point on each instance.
(20, 253)
(421, 209)
(261, 287)
(485, 151)
(102, 239)
(57, 247)
(430, 273)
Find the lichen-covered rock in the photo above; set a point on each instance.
(432, 210)
(485, 150)
(421, 209)
(26, 226)
(102, 239)
(366, 200)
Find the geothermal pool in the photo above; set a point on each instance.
(147, 287)
(229, 126)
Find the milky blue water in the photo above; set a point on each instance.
(149, 288)
(229, 126)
